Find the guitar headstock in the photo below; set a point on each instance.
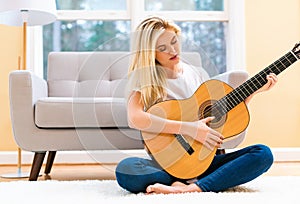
(296, 50)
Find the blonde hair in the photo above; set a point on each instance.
(151, 77)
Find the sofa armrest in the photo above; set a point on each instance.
(25, 88)
(233, 78)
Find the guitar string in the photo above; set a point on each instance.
(237, 98)
(258, 80)
(232, 99)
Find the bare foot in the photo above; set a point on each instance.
(176, 187)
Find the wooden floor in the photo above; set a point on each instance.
(106, 172)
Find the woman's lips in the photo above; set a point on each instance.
(174, 57)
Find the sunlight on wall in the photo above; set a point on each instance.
(272, 29)
(10, 41)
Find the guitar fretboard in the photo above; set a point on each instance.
(239, 94)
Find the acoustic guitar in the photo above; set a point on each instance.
(185, 158)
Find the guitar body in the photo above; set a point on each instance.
(168, 151)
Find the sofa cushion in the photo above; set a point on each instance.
(83, 112)
(93, 74)
(71, 74)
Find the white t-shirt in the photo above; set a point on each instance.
(186, 83)
(184, 86)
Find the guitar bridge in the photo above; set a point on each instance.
(186, 146)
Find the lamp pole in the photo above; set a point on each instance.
(24, 14)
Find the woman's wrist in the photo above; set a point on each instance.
(185, 128)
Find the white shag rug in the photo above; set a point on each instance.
(265, 189)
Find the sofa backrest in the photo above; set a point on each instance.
(93, 74)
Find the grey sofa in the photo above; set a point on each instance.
(81, 106)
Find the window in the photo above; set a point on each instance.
(187, 5)
(82, 35)
(97, 25)
(91, 5)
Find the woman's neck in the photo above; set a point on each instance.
(173, 72)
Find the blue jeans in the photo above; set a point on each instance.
(226, 170)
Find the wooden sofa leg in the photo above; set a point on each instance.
(36, 165)
(50, 160)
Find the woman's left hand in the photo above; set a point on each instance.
(271, 81)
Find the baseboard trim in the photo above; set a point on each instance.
(114, 156)
(73, 157)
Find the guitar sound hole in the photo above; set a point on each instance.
(207, 110)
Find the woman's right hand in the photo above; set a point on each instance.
(201, 132)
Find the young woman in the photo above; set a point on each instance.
(158, 74)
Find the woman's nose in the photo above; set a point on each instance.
(172, 49)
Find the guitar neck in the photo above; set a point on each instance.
(238, 95)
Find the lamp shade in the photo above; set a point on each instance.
(34, 12)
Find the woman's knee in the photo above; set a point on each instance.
(125, 174)
(125, 166)
(131, 174)
(265, 155)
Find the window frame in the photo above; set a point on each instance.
(233, 13)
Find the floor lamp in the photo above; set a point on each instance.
(25, 13)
